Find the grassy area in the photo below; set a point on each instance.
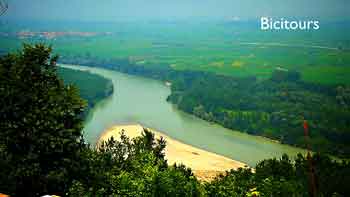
(327, 74)
(228, 49)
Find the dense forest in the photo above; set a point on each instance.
(92, 87)
(42, 150)
(274, 107)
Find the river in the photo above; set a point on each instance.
(143, 101)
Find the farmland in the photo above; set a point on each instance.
(233, 49)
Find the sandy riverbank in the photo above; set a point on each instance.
(204, 164)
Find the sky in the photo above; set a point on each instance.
(115, 10)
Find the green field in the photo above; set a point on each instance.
(230, 49)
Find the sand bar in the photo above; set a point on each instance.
(204, 164)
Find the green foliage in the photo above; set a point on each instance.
(234, 183)
(273, 108)
(40, 127)
(42, 152)
(93, 88)
(133, 168)
(284, 177)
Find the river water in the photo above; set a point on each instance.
(143, 101)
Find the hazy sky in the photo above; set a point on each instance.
(111, 10)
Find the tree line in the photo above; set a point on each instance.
(92, 88)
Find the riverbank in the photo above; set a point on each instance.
(155, 112)
(92, 87)
(184, 104)
(205, 165)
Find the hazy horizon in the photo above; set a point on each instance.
(118, 10)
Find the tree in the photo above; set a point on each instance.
(40, 136)
(41, 147)
(133, 167)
